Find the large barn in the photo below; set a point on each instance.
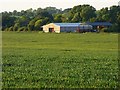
(100, 25)
(67, 27)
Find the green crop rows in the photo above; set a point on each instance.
(66, 60)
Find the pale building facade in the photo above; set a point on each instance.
(66, 27)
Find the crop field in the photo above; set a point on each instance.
(66, 60)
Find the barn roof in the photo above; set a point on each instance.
(100, 23)
(68, 24)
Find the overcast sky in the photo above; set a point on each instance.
(10, 5)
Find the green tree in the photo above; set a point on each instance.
(23, 20)
(58, 18)
(76, 17)
(114, 10)
(103, 15)
(22, 29)
(82, 13)
(11, 28)
(38, 24)
(93, 19)
(16, 27)
(53, 10)
(87, 13)
(7, 20)
(31, 25)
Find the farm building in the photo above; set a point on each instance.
(100, 25)
(66, 27)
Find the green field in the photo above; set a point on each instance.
(66, 60)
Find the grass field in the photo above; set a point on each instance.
(67, 60)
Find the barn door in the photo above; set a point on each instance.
(51, 29)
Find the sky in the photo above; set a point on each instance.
(11, 5)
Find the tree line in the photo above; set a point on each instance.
(32, 20)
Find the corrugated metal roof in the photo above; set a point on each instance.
(100, 23)
(68, 24)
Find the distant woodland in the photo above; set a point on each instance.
(32, 20)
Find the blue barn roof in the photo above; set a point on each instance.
(67, 24)
(100, 23)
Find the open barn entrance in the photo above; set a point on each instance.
(51, 29)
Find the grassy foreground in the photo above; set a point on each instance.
(67, 60)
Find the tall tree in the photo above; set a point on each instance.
(103, 14)
(58, 18)
(82, 13)
(77, 17)
(114, 10)
(31, 25)
(87, 12)
(23, 20)
(7, 20)
(16, 27)
(53, 10)
(38, 24)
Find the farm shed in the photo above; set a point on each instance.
(100, 25)
(66, 27)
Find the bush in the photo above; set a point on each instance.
(10, 29)
(104, 29)
(114, 28)
(22, 29)
(6, 29)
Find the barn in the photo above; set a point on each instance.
(100, 25)
(66, 27)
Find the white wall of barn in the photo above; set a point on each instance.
(51, 25)
(57, 29)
